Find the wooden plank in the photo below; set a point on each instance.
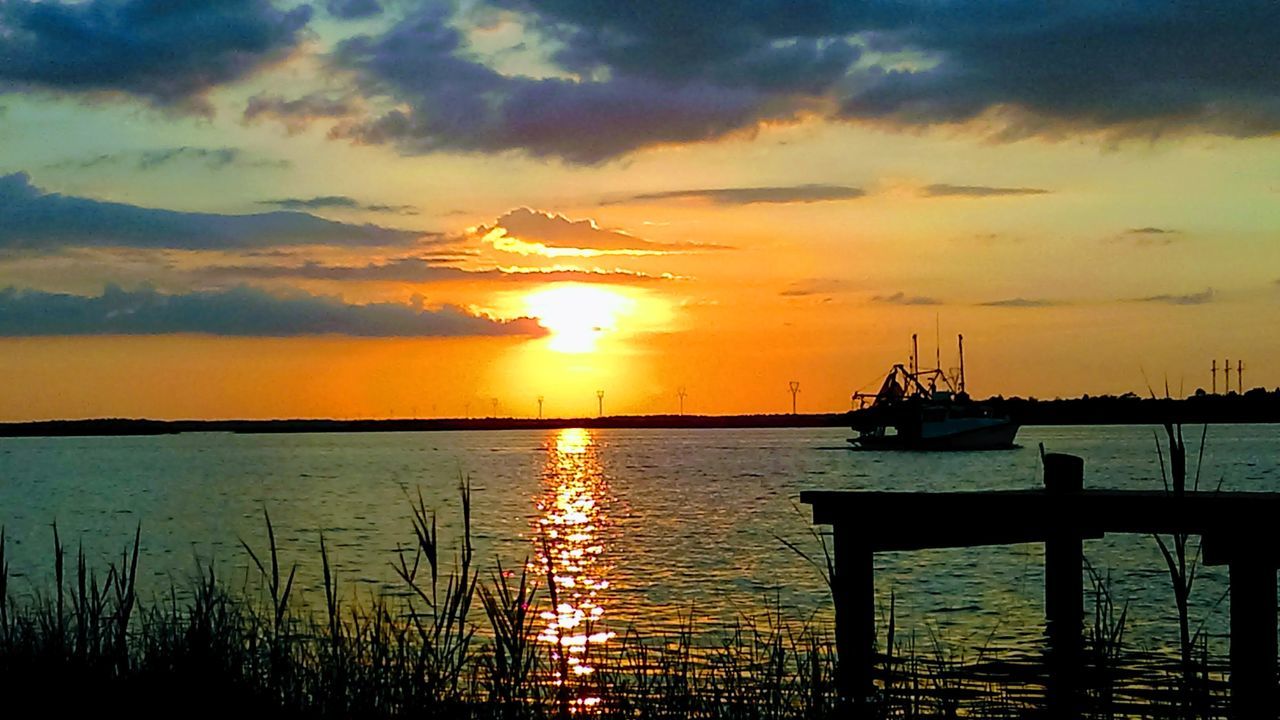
(853, 590)
(913, 521)
(1253, 640)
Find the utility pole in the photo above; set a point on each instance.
(1213, 369)
(540, 399)
(1240, 376)
(682, 394)
(1226, 370)
(493, 403)
(794, 386)
(600, 403)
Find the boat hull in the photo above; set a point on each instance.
(993, 436)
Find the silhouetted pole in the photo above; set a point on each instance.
(682, 394)
(1226, 371)
(1213, 369)
(493, 403)
(794, 385)
(853, 591)
(961, 362)
(1253, 636)
(1064, 598)
(1240, 376)
(540, 399)
(600, 403)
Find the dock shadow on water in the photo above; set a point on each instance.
(570, 548)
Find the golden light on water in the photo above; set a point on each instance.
(577, 315)
(571, 518)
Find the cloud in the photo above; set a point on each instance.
(144, 160)
(814, 286)
(615, 78)
(752, 195)
(1147, 237)
(450, 101)
(337, 202)
(297, 115)
(353, 9)
(417, 270)
(1020, 302)
(32, 218)
(1144, 68)
(169, 54)
(1200, 298)
(528, 231)
(977, 191)
(240, 311)
(901, 298)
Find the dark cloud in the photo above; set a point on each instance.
(353, 9)
(1200, 298)
(1144, 68)
(1020, 302)
(337, 202)
(638, 75)
(557, 231)
(1151, 231)
(901, 298)
(143, 160)
(417, 270)
(170, 53)
(977, 191)
(452, 102)
(776, 46)
(751, 195)
(33, 218)
(297, 115)
(240, 311)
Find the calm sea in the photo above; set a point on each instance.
(643, 527)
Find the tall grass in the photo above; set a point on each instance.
(217, 647)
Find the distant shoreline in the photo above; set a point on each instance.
(1256, 406)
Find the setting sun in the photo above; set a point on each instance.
(577, 315)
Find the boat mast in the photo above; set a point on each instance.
(937, 343)
(915, 355)
(961, 362)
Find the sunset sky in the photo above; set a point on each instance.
(358, 208)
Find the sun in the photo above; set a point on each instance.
(577, 315)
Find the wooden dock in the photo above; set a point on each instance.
(1237, 529)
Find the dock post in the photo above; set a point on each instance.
(853, 589)
(1064, 596)
(1253, 638)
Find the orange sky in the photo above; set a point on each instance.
(432, 208)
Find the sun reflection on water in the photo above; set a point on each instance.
(570, 549)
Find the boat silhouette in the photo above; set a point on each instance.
(918, 409)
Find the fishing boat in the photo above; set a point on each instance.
(918, 409)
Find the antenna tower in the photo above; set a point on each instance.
(794, 386)
(600, 403)
(682, 394)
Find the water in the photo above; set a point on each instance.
(644, 527)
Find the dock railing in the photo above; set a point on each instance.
(1237, 529)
